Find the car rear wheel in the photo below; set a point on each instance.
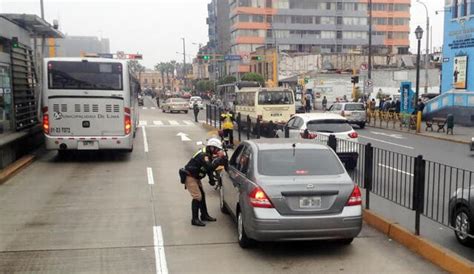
(222, 202)
(186, 111)
(244, 241)
(362, 125)
(463, 223)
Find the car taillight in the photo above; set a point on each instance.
(353, 135)
(258, 198)
(128, 121)
(45, 120)
(308, 135)
(356, 197)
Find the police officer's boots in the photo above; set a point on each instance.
(195, 209)
(204, 214)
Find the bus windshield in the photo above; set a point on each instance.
(275, 98)
(84, 75)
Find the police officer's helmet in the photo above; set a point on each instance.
(214, 142)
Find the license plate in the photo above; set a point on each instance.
(310, 202)
(88, 145)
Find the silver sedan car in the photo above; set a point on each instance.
(287, 190)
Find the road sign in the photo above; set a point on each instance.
(120, 55)
(369, 83)
(232, 57)
(363, 66)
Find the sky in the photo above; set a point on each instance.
(154, 28)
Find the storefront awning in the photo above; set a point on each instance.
(37, 26)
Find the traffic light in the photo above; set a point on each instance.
(355, 79)
(205, 57)
(258, 58)
(15, 43)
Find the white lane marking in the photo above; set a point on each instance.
(184, 137)
(145, 141)
(149, 174)
(397, 170)
(144, 107)
(153, 108)
(382, 141)
(160, 257)
(188, 122)
(202, 121)
(396, 136)
(158, 123)
(142, 123)
(173, 123)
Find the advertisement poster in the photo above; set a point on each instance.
(460, 72)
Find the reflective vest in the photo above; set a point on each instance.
(227, 121)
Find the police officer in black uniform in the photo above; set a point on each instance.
(203, 164)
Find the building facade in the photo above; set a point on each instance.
(457, 87)
(151, 79)
(219, 35)
(317, 26)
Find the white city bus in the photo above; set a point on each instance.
(89, 104)
(272, 106)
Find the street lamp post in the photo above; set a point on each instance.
(184, 61)
(427, 44)
(419, 35)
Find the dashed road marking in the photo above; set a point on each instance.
(158, 123)
(173, 123)
(188, 122)
(145, 141)
(149, 174)
(160, 257)
(142, 123)
(382, 141)
(397, 170)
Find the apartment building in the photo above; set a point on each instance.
(317, 26)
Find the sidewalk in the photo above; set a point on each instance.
(461, 135)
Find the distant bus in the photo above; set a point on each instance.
(89, 104)
(227, 92)
(272, 106)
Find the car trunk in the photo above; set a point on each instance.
(86, 117)
(308, 195)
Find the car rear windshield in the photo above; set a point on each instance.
(178, 100)
(353, 107)
(275, 98)
(84, 75)
(329, 126)
(298, 162)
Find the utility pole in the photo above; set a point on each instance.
(184, 61)
(369, 74)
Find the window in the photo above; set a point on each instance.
(339, 6)
(275, 98)
(339, 34)
(352, 107)
(329, 126)
(339, 20)
(5, 99)
(298, 162)
(84, 75)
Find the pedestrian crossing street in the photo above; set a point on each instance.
(169, 123)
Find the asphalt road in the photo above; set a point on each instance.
(127, 213)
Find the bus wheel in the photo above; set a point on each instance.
(130, 150)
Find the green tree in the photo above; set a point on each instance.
(205, 85)
(161, 67)
(227, 80)
(252, 76)
(136, 68)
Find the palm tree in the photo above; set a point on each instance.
(161, 67)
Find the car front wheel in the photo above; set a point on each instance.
(244, 241)
(463, 223)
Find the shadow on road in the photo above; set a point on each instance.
(90, 156)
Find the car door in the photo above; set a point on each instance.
(231, 179)
(294, 126)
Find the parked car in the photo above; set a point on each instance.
(196, 99)
(140, 100)
(310, 125)
(354, 112)
(175, 105)
(285, 190)
(461, 215)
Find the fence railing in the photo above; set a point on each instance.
(430, 189)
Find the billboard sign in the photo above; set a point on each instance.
(460, 72)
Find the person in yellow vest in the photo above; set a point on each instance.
(227, 119)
